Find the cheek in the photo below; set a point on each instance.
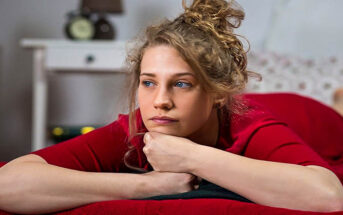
(196, 103)
(196, 110)
(143, 98)
(139, 96)
(144, 103)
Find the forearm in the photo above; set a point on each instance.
(43, 188)
(268, 183)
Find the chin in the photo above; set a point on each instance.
(165, 130)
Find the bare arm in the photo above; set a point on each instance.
(275, 184)
(30, 185)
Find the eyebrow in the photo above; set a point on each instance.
(177, 74)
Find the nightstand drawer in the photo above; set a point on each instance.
(85, 59)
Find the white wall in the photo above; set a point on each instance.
(287, 26)
(311, 28)
(19, 19)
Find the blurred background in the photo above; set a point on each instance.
(297, 45)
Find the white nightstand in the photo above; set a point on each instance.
(63, 55)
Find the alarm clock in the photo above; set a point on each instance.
(79, 26)
(88, 26)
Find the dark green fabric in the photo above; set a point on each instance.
(206, 190)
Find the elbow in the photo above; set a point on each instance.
(327, 202)
(336, 200)
(331, 200)
(329, 190)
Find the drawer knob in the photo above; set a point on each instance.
(90, 59)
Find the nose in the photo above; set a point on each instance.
(163, 99)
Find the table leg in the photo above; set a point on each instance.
(40, 87)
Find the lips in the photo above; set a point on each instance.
(163, 119)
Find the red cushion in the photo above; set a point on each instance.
(172, 207)
(319, 125)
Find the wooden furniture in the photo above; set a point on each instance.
(64, 55)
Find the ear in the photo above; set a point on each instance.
(219, 101)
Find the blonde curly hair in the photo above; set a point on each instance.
(203, 35)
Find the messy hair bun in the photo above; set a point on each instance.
(218, 15)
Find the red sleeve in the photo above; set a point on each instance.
(280, 144)
(101, 150)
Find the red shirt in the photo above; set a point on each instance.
(258, 133)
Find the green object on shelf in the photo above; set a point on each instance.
(63, 133)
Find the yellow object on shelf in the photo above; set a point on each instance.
(85, 130)
(58, 131)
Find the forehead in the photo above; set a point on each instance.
(164, 60)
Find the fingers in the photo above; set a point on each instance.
(189, 182)
(147, 137)
(195, 182)
(145, 150)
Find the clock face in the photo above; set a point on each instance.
(81, 28)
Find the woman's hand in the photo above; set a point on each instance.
(168, 153)
(168, 183)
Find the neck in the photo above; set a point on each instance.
(208, 134)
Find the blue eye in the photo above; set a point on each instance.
(147, 83)
(183, 84)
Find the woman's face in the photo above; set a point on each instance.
(170, 97)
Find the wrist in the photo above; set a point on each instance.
(195, 158)
(143, 188)
(147, 185)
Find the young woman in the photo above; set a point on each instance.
(185, 77)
